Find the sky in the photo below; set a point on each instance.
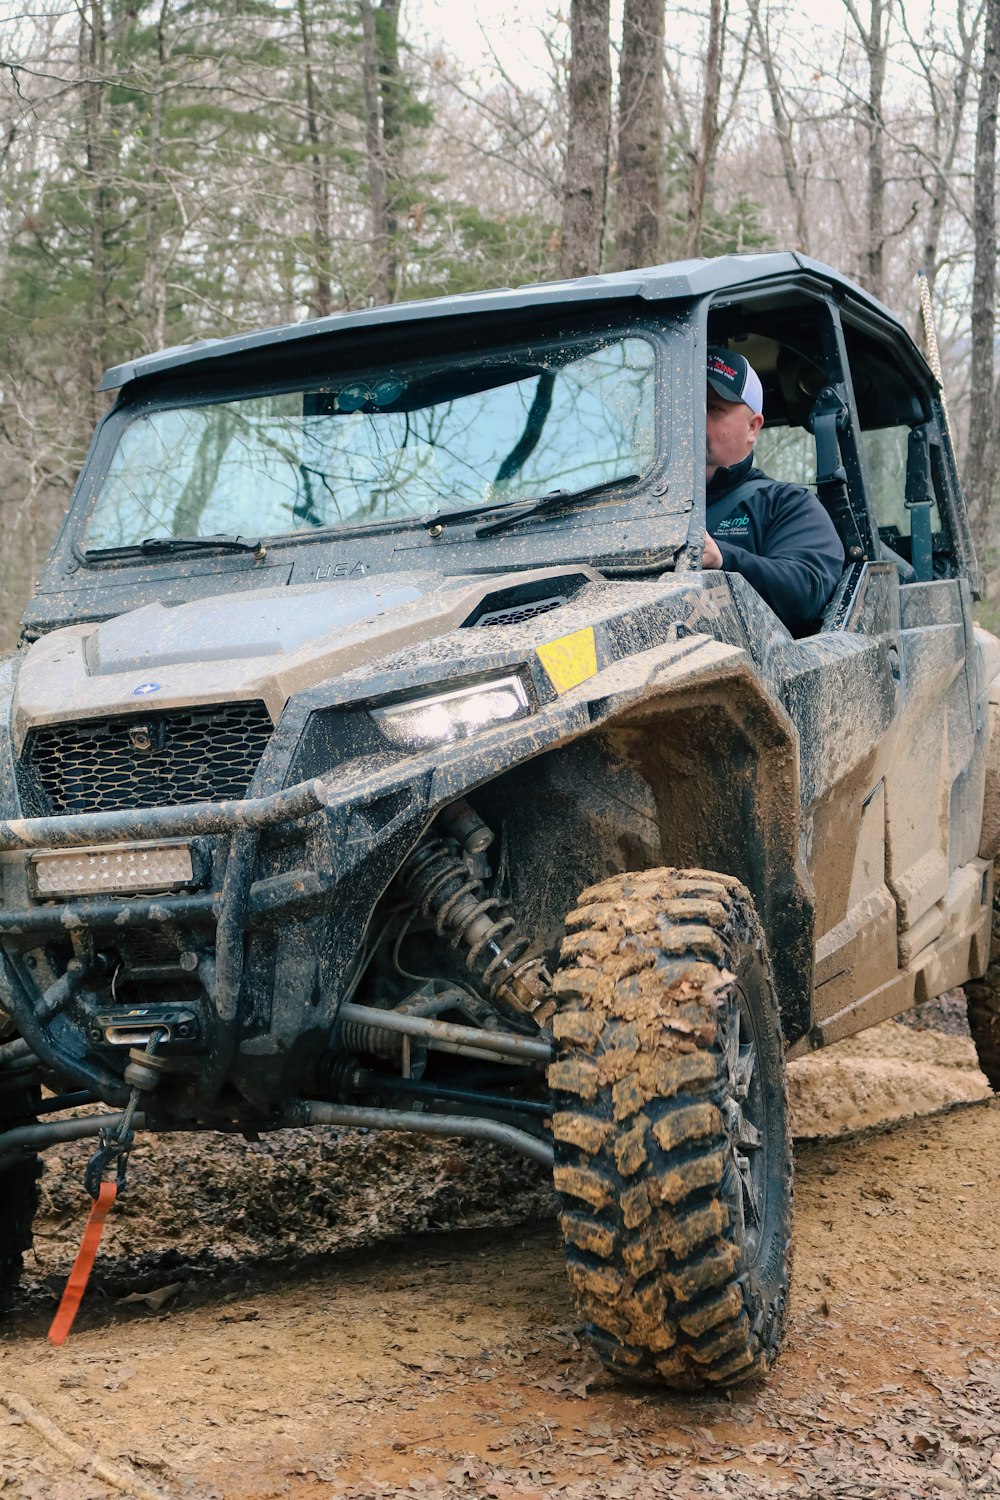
(471, 29)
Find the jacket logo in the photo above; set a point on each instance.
(734, 523)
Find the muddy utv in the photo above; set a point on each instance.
(377, 753)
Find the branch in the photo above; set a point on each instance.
(87, 1463)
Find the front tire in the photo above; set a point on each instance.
(18, 1193)
(672, 1151)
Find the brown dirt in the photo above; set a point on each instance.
(255, 1330)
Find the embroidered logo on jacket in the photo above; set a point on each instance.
(733, 523)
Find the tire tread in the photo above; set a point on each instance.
(639, 1081)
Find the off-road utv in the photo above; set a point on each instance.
(378, 754)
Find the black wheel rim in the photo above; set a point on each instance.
(744, 1114)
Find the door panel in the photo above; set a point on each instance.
(934, 743)
(847, 723)
(859, 953)
(916, 918)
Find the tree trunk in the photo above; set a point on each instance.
(782, 128)
(322, 300)
(387, 43)
(982, 447)
(875, 257)
(375, 150)
(585, 180)
(152, 279)
(874, 39)
(93, 46)
(708, 132)
(640, 134)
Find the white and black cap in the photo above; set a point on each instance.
(734, 379)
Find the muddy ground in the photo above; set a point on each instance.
(324, 1315)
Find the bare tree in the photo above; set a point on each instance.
(782, 125)
(707, 144)
(585, 182)
(982, 446)
(875, 40)
(387, 41)
(946, 72)
(153, 302)
(375, 148)
(93, 69)
(322, 298)
(640, 134)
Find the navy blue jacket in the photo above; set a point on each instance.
(781, 540)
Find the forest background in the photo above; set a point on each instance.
(182, 169)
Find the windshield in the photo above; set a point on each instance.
(389, 445)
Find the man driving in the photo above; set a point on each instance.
(777, 535)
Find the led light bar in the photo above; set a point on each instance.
(443, 718)
(113, 869)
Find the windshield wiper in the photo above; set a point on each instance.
(156, 546)
(554, 500)
(517, 510)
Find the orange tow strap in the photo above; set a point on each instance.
(82, 1266)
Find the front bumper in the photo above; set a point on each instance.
(297, 875)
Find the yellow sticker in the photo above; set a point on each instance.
(569, 660)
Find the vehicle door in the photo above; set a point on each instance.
(915, 891)
(842, 685)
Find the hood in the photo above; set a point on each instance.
(266, 644)
(269, 622)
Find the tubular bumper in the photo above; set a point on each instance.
(79, 829)
(240, 905)
(364, 827)
(265, 898)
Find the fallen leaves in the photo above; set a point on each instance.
(157, 1298)
(450, 1369)
(570, 1384)
(927, 1448)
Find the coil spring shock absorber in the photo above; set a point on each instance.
(446, 893)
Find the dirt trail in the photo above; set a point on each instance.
(229, 1352)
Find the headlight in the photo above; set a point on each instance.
(114, 868)
(441, 720)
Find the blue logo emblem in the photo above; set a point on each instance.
(144, 689)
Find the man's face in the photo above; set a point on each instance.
(730, 432)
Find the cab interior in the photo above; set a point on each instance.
(894, 486)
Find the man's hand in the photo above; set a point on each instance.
(711, 557)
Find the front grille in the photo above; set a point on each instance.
(143, 760)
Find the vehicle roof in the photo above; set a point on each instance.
(676, 280)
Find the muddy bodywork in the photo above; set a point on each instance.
(311, 883)
(669, 719)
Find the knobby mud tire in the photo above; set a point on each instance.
(982, 998)
(18, 1194)
(655, 1112)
